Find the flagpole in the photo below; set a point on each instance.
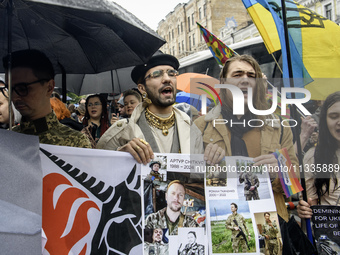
(294, 115)
(277, 63)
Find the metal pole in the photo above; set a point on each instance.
(9, 51)
(294, 115)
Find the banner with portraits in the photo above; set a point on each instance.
(241, 212)
(103, 202)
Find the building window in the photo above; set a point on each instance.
(183, 46)
(189, 43)
(200, 13)
(328, 11)
(193, 40)
(178, 29)
(172, 32)
(204, 10)
(169, 36)
(179, 47)
(189, 23)
(181, 27)
(173, 50)
(192, 19)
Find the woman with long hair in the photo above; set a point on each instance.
(323, 186)
(96, 120)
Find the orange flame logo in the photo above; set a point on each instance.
(57, 214)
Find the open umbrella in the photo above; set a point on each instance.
(77, 36)
(114, 81)
(192, 99)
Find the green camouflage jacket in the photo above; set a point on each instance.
(51, 131)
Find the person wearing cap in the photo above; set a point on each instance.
(171, 217)
(155, 125)
(33, 84)
(154, 173)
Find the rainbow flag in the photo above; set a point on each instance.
(219, 50)
(290, 183)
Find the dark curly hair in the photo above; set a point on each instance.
(104, 121)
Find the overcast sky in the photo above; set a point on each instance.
(149, 11)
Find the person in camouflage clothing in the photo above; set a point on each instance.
(157, 246)
(237, 224)
(171, 216)
(251, 183)
(33, 84)
(154, 173)
(192, 247)
(269, 231)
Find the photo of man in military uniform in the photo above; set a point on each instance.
(239, 231)
(270, 231)
(251, 184)
(154, 173)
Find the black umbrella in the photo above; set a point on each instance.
(78, 36)
(114, 81)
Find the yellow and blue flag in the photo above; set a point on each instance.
(271, 28)
(314, 42)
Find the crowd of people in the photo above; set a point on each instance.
(147, 122)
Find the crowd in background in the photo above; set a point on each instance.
(123, 124)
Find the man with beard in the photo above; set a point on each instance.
(157, 246)
(171, 217)
(155, 125)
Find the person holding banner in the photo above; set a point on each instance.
(322, 163)
(171, 216)
(32, 84)
(155, 125)
(240, 139)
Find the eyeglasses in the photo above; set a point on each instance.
(95, 104)
(159, 73)
(22, 88)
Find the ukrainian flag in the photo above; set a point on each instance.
(314, 43)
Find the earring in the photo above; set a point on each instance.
(146, 99)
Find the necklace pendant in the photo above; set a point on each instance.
(165, 132)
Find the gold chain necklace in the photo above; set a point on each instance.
(161, 123)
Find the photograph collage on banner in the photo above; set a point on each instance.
(241, 212)
(174, 206)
